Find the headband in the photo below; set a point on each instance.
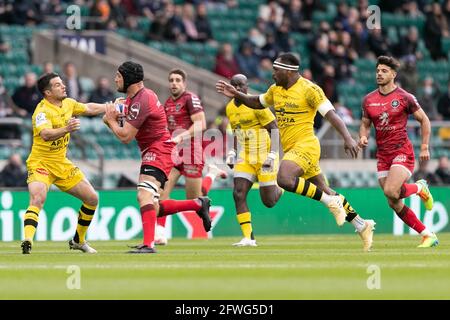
(284, 66)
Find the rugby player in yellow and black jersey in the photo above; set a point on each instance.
(253, 130)
(53, 120)
(296, 101)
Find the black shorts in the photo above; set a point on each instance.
(155, 172)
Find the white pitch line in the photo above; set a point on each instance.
(221, 266)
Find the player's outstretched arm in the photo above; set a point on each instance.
(93, 109)
(350, 145)
(425, 128)
(228, 90)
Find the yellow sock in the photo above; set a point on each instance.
(85, 216)
(30, 222)
(245, 220)
(308, 189)
(348, 208)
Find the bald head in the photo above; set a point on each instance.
(239, 81)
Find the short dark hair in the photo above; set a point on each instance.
(388, 61)
(181, 72)
(289, 58)
(43, 82)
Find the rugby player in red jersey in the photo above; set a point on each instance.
(388, 109)
(186, 122)
(146, 122)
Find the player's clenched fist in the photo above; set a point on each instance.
(363, 142)
(73, 125)
(231, 159)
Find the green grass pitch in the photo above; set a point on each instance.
(281, 267)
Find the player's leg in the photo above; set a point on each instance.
(38, 193)
(160, 233)
(420, 188)
(39, 180)
(193, 187)
(391, 186)
(269, 191)
(290, 178)
(240, 191)
(405, 159)
(84, 191)
(211, 175)
(148, 197)
(198, 204)
(363, 227)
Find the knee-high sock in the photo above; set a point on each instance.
(148, 216)
(305, 188)
(161, 221)
(85, 216)
(408, 189)
(170, 206)
(245, 221)
(351, 213)
(308, 189)
(30, 222)
(352, 216)
(410, 219)
(207, 183)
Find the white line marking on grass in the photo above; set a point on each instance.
(224, 266)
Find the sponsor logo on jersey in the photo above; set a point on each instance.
(384, 118)
(400, 158)
(40, 119)
(133, 112)
(42, 171)
(149, 156)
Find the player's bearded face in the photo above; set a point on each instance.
(176, 84)
(118, 80)
(384, 74)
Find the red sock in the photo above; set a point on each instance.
(173, 206)
(148, 215)
(410, 219)
(161, 221)
(408, 189)
(206, 185)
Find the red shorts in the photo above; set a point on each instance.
(159, 155)
(188, 159)
(403, 156)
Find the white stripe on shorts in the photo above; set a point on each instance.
(384, 174)
(248, 176)
(268, 183)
